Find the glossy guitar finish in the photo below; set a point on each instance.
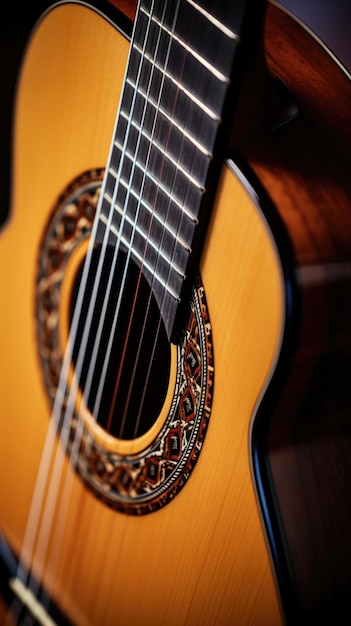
(159, 568)
(309, 431)
(204, 557)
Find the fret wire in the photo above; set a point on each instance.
(146, 34)
(181, 129)
(134, 176)
(206, 64)
(124, 152)
(169, 119)
(145, 236)
(131, 251)
(177, 83)
(51, 484)
(173, 121)
(146, 206)
(146, 173)
(167, 291)
(188, 225)
(159, 185)
(167, 155)
(179, 150)
(140, 258)
(211, 18)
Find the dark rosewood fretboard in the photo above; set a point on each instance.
(181, 65)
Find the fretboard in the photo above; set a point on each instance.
(181, 65)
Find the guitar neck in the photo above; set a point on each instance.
(184, 73)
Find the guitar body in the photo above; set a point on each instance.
(204, 558)
(159, 568)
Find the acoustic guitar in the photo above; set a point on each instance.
(176, 317)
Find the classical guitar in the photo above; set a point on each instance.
(176, 317)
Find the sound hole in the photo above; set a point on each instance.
(121, 352)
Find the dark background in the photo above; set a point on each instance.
(330, 20)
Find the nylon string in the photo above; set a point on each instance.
(32, 529)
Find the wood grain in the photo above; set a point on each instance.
(304, 167)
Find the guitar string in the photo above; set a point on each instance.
(53, 498)
(149, 299)
(123, 282)
(158, 329)
(137, 356)
(154, 278)
(115, 569)
(228, 33)
(147, 308)
(171, 188)
(108, 351)
(134, 230)
(45, 470)
(117, 555)
(124, 277)
(75, 388)
(77, 442)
